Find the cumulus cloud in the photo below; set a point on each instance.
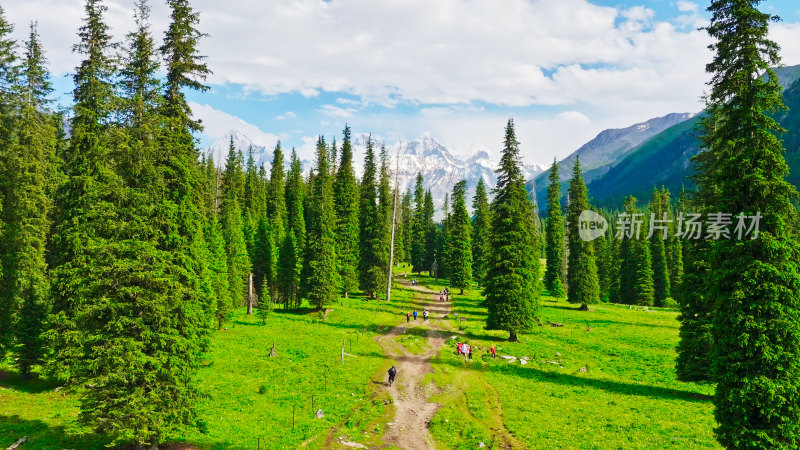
(612, 66)
(286, 115)
(218, 123)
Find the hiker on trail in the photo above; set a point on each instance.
(408, 317)
(392, 374)
(441, 298)
(465, 349)
(458, 349)
(415, 314)
(493, 351)
(470, 353)
(425, 315)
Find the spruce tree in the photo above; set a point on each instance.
(658, 211)
(460, 240)
(218, 270)
(264, 304)
(627, 258)
(289, 267)
(755, 286)
(644, 290)
(554, 248)
(239, 265)
(265, 256)
(370, 277)
(385, 205)
(693, 363)
(290, 262)
(582, 283)
(418, 234)
(9, 84)
(295, 199)
(345, 191)
(675, 246)
(322, 282)
(407, 216)
(276, 194)
(481, 228)
(512, 287)
(28, 206)
(442, 246)
(87, 215)
(429, 233)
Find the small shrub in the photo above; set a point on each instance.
(262, 390)
(670, 303)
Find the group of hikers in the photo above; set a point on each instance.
(415, 314)
(444, 295)
(462, 348)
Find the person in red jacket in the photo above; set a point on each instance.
(493, 351)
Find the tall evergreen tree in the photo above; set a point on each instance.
(481, 228)
(239, 265)
(694, 349)
(675, 245)
(322, 282)
(554, 248)
(276, 194)
(429, 232)
(512, 287)
(442, 246)
(87, 215)
(28, 206)
(9, 83)
(345, 191)
(582, 283)
(658, 212)
(755, 287)
(627, 258)
(290, 262)
(460, 240)
(418, 235)
(385, 205)
(289, 267)
(218, 269)
(643, 290)
(371, 277)
(295, 200)
(407, 217)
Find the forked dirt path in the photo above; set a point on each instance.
(409, 429)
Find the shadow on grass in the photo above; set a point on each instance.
(12, 380)
(42, 435)
(565, 379)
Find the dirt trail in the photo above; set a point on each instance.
(409, 429)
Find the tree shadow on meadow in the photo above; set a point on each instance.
(34, 385)
(42, 435)
(564, 379)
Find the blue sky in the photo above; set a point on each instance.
(456, 69)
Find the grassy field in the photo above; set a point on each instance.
(611, 386)
(605, 379)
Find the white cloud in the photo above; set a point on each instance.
(218, 123)
(335, 111)
(686, 6)
(442, 52)
(286, 115)
(608, 67)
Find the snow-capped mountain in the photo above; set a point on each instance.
(440, 169)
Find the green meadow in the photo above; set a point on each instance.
(605, 379)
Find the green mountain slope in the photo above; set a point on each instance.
(665, 158)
